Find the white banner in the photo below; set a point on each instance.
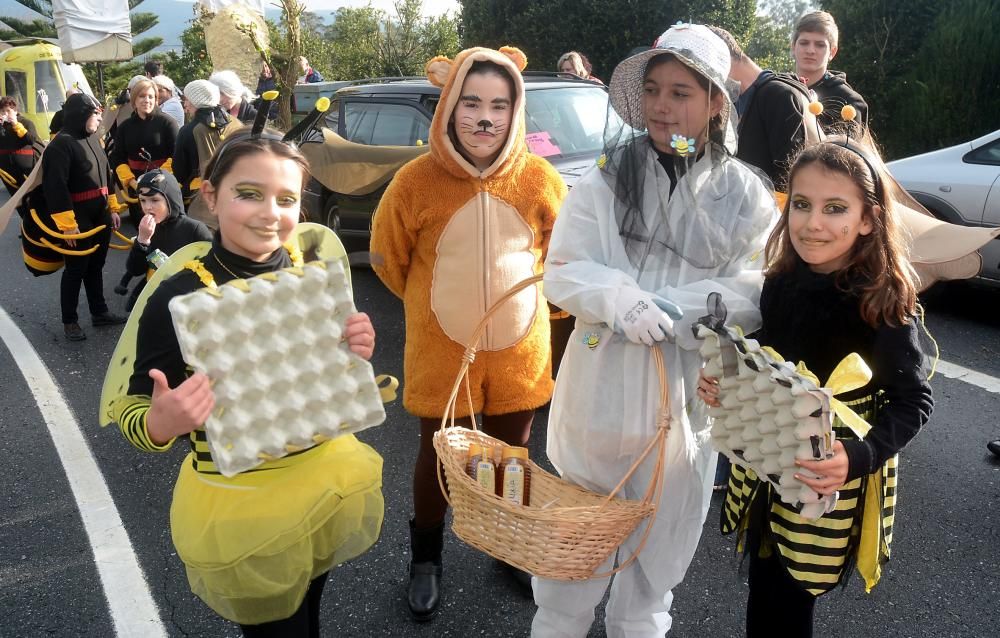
(93, 30)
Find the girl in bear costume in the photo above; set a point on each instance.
(456, 229)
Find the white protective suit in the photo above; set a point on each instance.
(606, 395)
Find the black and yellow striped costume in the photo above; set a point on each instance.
(817, 553)
(816, 319)
(252, 543)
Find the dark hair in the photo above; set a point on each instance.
(7, 102)
(735, 52)
(715, 124)
(877, 262)
(486, 67)
(240, 145)
(153, 67)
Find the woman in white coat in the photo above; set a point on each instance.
(667, 217)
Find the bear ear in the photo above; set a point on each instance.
(437, 70)
(517, 57)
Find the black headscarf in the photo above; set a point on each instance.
(77, 109)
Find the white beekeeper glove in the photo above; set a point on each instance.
(644, 317)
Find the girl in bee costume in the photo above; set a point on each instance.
(309, 511)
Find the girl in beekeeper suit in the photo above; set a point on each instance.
(665, 218)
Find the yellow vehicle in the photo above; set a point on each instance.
(34, 74)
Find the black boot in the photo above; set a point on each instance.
(424, 595)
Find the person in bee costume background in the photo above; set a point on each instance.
(20, 147)
(76, 201)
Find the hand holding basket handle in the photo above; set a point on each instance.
(567, 532)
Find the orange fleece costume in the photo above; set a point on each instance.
(454, 239)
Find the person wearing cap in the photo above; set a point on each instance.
(232, 96)
(167, 99)
(198, 139)
(75, 197)
(771, 108)
(665, 218)
(163, 227)
(19, 146)
(142, 142)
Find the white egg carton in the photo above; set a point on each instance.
(283, 378)
(770, 415)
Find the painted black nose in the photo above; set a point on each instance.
(485, 124)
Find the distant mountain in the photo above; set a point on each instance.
(174, 16)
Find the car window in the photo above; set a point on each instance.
(16, 86)
(48, 86)
(566, 121)
(986, 154)
(384, 124)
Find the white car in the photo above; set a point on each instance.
(960, 184)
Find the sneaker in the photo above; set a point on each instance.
(74, 332)
(108, 319)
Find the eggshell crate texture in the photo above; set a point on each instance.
(770, 415)
(283, 379)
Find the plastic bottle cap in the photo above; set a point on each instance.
(474, 449)
(514, 452)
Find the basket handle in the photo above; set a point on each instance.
(470, 352)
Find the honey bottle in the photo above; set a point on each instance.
(480, 466)
(514, 476)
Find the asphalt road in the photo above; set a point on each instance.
(943, 581)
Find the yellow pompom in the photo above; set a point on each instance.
(420, 142)
(323, 104)
(848, 112)
(269, 95)
(815, 108)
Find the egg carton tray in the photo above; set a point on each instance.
(283, 377)
(770, 415)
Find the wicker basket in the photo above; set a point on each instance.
(567, 531)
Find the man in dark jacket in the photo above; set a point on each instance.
(770, 107)
(814, 45)
(75, 197)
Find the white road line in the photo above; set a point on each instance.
(978, 379)
(131, 605)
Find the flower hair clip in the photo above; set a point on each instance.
(683, 145)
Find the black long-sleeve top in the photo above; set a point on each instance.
(155, 134)
(18, 154)
(75, 164)
(834, 93)
(807, 318)
(170, 235)
(187, 161)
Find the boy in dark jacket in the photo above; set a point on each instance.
(163, 227)
(814, 45)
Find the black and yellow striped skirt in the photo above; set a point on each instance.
(818, 553)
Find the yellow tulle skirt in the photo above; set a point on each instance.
(252, 543)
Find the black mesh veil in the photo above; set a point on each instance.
(707, 222)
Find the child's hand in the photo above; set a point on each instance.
(180, 411)
(147, 226)
(832, 471)
(359, 333)
(708, 389)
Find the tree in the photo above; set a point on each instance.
(953, 94)
(192, 63)
(45, 27)
(605, 32)
(879, 44)
(367, 42)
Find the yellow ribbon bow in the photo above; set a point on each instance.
(850, 374)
